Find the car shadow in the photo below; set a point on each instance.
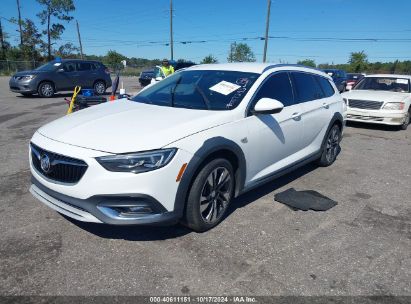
(370, 126)
(156, 233)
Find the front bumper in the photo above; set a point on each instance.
(104, 196)
(95, 209)
(17, 86)
(376, 117)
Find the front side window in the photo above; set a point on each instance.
(307, 87)
(391, 84)
(326, 86)
(277, 86)
(199, 89)
(69, 67)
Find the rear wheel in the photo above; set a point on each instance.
(99, 87)
(331, 147)
(210, 195)
(404, 126)
(46, 89)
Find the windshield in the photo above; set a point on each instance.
(198, 89)
(50, 66)
(390, 84)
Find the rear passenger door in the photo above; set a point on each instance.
(315, 103)
(87, 75)
(274, 139)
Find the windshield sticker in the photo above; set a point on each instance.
(225, 87)
(57, 64)
(402, 81)
(238, 94)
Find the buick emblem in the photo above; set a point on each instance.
(45, 163)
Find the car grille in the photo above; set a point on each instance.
(365, 104)
(61, 168)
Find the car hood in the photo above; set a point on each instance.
(383, 96)
(29, 72)
(126, 126)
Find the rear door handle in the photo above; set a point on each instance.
(326, 105)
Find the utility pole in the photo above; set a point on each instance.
(79, 40)
(171, 30)
(267, 27)
(3, 47)
(19, 13)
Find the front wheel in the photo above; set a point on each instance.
(404, 126)
(46, 90)
(331, 147)
(210, 195)
(99, 87)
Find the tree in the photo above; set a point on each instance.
(67, 50)
(32, 40)
(209, 59)
(113, 59)
(240, 52)
(59, 9)
(358, 62)
(307, 62)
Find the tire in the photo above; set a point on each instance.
(46, 89)
(404, 126)
(331, 147)
(99, 87)
(210, 195)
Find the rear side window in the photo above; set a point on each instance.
(84, 66)
(307, 87)
(277, 86)
(326, 86)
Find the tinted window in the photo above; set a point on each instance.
(307, 87)
(278, 87)
(69, 67)
(84, 66)
(326, 86)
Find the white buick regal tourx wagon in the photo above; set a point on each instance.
(182, 149)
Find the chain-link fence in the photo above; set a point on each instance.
(8, 67)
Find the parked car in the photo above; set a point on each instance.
(182, 149)
(352, 80)
(339, 77)
(380, 99)
(62, 75)
(158, 74)
(145, 77)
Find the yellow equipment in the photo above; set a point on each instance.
(77, 90)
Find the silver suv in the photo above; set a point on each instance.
(62, 75)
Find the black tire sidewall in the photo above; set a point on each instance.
(323, 159)
(404, 126)
(192, 216)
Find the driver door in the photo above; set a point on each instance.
(67, 79)
(274, 140)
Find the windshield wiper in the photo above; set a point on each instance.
(205, 99)
(173, 90)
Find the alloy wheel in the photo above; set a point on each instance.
(216, 195)
(47, 90)
(333, 142)
(99, 87)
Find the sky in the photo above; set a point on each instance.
(326, 31)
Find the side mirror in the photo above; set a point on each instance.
(159, 78)
(61, 70)
(267, 106)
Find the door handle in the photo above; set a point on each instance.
(296, 116)
(326, 105)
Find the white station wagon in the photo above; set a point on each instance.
(182, 149)
(381, 99)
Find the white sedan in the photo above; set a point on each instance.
(380, 99)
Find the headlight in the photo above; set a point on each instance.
(137, 162)
(394, 106)
(28, 77)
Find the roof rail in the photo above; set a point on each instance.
(288, 65)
